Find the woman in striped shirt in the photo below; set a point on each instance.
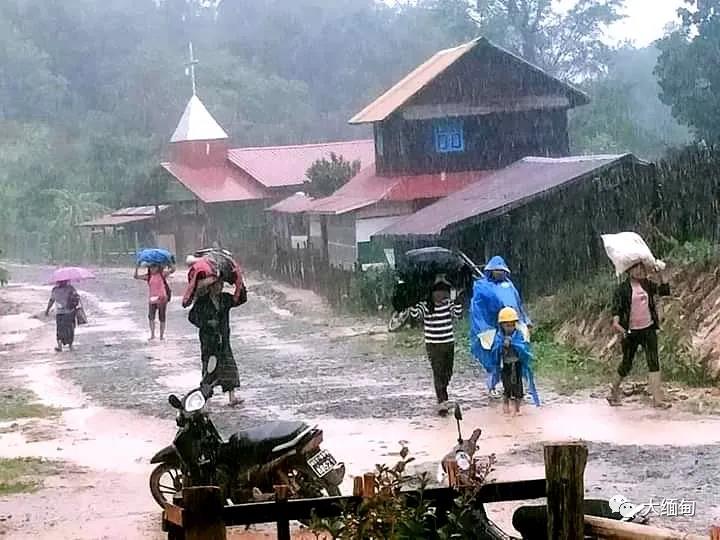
(437, 314)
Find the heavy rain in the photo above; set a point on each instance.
(359, 269)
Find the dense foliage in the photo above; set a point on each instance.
(689, 68)
(90, 91)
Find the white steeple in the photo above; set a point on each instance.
(197, 124)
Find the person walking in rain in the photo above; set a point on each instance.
(491, 293)
(437, 313)
(211, 315)
(635, 318)
(158, 295)
(512, 361)
(66, 300)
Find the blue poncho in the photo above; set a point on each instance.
(524, 352)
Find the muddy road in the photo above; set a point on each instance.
(296, 361)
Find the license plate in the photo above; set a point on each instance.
(322, 463)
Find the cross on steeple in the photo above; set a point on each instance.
(190, 68)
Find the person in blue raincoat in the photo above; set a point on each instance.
(512, 361)
(491, 292)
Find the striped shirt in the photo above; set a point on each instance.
(439, 323)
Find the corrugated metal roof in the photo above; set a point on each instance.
(217, 184)
(425, 73)
(124, 216)
(502, 191)
(280, 166)
(295, 204)
(368, 188)
(197, 124)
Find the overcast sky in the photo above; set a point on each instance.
(645, 21)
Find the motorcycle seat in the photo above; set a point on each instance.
(266, 437)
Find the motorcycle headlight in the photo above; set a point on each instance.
(463, 461)
(194, 401)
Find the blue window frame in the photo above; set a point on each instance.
(449, 136)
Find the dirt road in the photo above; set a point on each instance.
(296, 361)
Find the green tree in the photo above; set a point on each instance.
(567, 44)
(328, 175)
(689, 68)
(625, 113)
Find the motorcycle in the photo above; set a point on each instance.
(248, 464)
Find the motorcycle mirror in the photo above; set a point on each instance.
(458, 413)
(175, 401)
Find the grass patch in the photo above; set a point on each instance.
(23, 475)
(19, 403)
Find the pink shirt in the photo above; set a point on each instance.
(156, 284)
(640, 317)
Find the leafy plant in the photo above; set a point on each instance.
(389, 514)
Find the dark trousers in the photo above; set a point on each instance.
(647, 339)
(65, 327)
(442, 359)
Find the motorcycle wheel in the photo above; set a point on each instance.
(398, 320)
(161, 489)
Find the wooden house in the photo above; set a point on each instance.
(464, 113)
(117, 236)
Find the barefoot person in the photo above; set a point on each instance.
(513, 357)
(437, 314)
(635, 318)
(211, 315)
(159, 295)
(66, 300)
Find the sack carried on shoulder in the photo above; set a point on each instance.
(80, 316)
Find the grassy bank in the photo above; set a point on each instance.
(18, 403)
(23, 475)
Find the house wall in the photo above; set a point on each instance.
(341, 237)
(489, 142)
(507, 110)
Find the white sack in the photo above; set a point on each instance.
(627, 249)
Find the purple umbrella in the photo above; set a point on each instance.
(71, 273)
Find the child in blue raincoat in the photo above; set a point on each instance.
(492, 292)
(512, 361)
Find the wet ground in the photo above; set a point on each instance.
(296, 361)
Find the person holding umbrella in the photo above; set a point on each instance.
(66, 301)
(437, 313)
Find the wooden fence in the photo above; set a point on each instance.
(199, 513)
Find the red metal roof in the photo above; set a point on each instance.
(124, 216)
(502, 191)
(295, 204)
(220, 183)
(279, 166)
(413, 83)
(367, 188)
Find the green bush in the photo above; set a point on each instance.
(371, 291)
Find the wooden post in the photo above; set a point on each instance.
(202, 516)
(565, 487)
(358, 486)
(369, 484)
(283, 523)
(611, 529)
